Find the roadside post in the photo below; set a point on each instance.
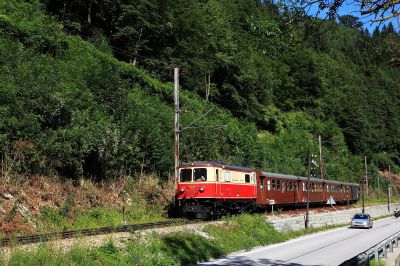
(272, 203)
(311, 164)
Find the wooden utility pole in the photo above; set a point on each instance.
(362, 196)
(207, 79)
(89, 13)
(307, 219)
(366, 174)
(389, 190)
(364, 182)
(321, 163)
(378, 183)
(176, 128)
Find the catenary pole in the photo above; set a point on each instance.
(389, 190)
(308, 193)
(366, 174)
(176, 122)
(364, 182)
(321, 163)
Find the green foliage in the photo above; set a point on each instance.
(68, 107)
(189, 247)
(64, 210)
(380, 263)
(51, 220)
(244, 232)
(350, 21)
(107, 254)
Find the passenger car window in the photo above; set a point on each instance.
(273, 184)
(262, 178)
(200, 174)
(247, 178)
(186, 175)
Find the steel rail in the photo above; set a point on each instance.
(29, 239)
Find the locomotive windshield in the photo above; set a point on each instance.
(186, 175)
(200, 174)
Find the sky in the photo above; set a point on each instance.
(351, 8)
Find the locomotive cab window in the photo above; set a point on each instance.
(200, 174)
(247, 178)
(186, 175)
(227, 176)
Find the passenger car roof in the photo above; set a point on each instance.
(268, 174)
(303, 178)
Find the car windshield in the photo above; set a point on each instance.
(361, 216)
(186, 175)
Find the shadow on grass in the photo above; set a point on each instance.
(190, 248)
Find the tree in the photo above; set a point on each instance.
(133, 27)
(350, 21)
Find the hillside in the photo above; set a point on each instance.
(90, 96)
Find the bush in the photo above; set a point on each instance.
(244, 232)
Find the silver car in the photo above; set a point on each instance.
(361, 220)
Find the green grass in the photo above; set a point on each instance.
(53, 219)
(107, 254)
(381, 263)
(244, 232)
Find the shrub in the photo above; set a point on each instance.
(69, 203)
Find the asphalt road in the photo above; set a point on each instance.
(331, 247)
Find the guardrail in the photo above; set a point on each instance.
(380, 249)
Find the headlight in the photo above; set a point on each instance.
(201, 189)
(182, 190)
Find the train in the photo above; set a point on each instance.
(213, 189)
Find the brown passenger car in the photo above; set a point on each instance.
(281, 189)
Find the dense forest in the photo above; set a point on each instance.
(85, 88)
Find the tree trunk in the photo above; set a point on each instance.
(89, 15)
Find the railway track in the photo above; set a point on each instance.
(29, 239)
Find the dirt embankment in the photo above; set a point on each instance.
(21, 201)
(390, 175)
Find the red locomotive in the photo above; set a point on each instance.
(207, 189)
